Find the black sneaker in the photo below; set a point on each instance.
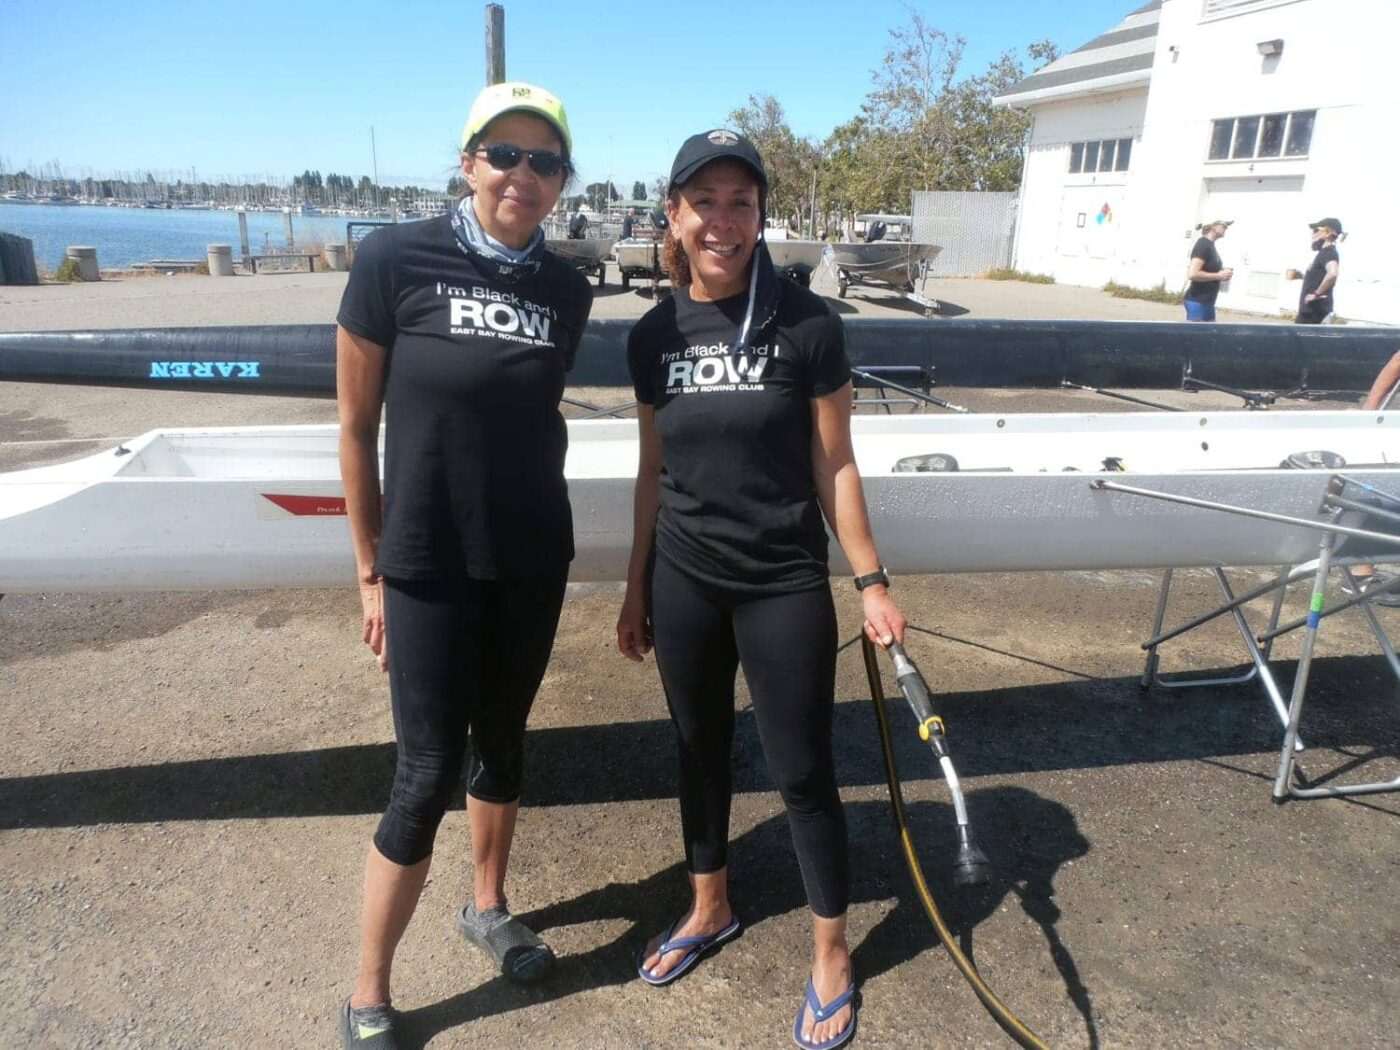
(368, 1027)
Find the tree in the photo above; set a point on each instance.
(456, 186)
(787, 159)
(599, 193)
(923, 128)
(639, 190)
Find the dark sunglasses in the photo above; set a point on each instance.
(504, 157)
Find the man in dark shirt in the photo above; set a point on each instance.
(1206, 272)
(1315, 303)
(578, 226)
(627, 221)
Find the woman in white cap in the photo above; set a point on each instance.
(744, 412)
(462, 566)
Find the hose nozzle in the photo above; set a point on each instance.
(971, 866)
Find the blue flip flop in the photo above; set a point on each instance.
(820, 1012)
(694, 947)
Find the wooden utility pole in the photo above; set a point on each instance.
(495, 44)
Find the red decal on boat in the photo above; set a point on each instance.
(309, 506)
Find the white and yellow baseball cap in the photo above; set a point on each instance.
(516, 96)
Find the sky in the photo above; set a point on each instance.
(261, 88)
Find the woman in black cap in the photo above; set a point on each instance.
(745, 402)
(1315, 302)
(462, 569)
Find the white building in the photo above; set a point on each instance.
(1273, 113)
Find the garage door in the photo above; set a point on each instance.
(1268, 237)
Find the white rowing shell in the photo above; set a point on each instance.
(257, 507)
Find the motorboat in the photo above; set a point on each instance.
(589, 254)
(796, 259)
(900, 265)
(639, 259)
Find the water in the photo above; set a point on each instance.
(123, 236)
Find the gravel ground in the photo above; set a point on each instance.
(190, 781)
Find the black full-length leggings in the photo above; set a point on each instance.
(463, 656)
(786, 644)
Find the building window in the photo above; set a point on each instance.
(1246, 138)
(1271, 138)
(1262, 137)
(1101, 155)
(1107, 150)
(1300, 129)
(1220, 134)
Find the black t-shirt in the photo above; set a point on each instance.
(1314, 275)
(738, 501)
(474, 442)
(1205, 291)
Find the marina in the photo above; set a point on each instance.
(125, 237)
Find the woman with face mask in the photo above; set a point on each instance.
(744, 417)
(1315, 303)
(462, 565)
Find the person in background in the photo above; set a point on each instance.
(628, 221)
(578, 225)
(1205, 271)
(1315, 303)
(462, 564)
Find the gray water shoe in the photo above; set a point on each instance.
(517, 949)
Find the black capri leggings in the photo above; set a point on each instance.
(465, 655)
(787, 646)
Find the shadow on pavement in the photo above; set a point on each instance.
(1026, 836)
(1077, 724)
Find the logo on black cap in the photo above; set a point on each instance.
(721, 137)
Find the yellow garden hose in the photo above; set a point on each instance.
(1012, 1024)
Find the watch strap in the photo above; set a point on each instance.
(880, 575)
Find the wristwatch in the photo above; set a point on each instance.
(880, 575)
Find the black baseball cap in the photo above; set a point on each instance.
(716, 144)
(1335, 225)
